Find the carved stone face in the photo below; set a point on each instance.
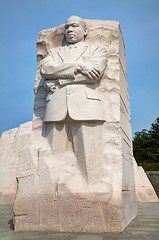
(74, 30)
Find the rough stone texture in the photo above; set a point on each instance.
(11, 142)
(144, 227)
(144, 189)
(51, 194)
(154, 179)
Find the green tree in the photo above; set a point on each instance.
(146, 144)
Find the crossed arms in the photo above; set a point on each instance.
(65, 73)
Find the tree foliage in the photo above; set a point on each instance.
(146, 144)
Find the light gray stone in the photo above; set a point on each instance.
(11, 143)
(144, 189)
(85, 184)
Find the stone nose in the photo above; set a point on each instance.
(70, 29)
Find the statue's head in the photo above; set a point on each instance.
(75, 29)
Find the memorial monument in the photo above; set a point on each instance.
(75, 174)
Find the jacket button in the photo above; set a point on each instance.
(69, 93)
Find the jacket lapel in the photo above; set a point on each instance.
(78, 52)
(63, 54)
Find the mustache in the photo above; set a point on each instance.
(71, 34)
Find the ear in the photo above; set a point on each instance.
(85, 31)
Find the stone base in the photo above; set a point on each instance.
(69, 213)
(47, 203)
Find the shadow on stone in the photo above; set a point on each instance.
(11, 224)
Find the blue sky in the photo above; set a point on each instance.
(22, 20)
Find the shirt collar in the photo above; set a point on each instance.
(76, 45)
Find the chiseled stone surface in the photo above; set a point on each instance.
(59, 189)
(11, 142)
(52, 192)
(144, 189)
(144, 227)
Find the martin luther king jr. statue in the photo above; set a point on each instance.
(75, 174)
(73, 73)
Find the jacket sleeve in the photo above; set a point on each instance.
(51, 70)
(65, 72)
(99, 59)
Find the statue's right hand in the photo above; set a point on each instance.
(51, 87)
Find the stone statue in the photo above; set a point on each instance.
(72, 74)
(75, 174)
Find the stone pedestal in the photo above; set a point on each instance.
(52, 194)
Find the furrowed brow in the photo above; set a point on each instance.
(71, 24)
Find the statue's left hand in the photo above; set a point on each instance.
(89, 70)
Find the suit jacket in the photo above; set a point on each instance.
(76, 94)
